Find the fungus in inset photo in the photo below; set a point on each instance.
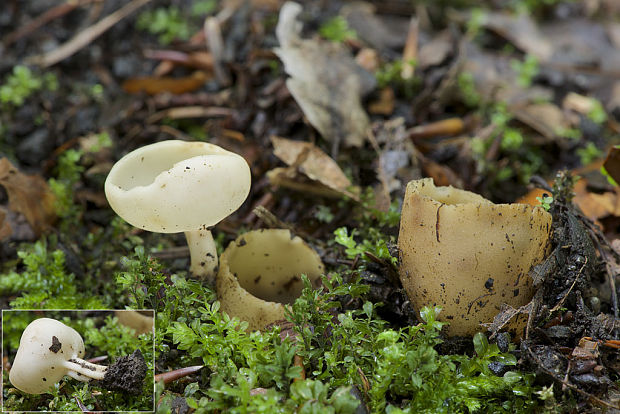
(53, 353)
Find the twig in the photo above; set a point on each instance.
(271, 221)
(190, 112)
(215, 44)
(172, 253)
(86, 36)
(561, 302)
(170, 376)
(41, 20)
(410, 52)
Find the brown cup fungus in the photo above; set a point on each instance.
(49, 350)
(260, 273)
(178, 186)
(468, 255)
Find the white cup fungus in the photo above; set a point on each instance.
(49, 350)
(178, 186)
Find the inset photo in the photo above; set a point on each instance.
(78, 360)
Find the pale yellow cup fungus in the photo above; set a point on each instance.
(178, 186)
(135, 320)
(260, 273)
(468, 255)
(49, 350)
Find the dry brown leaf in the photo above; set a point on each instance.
(495, 79)
(444, 127)
(436, 51)
(545, 118)
(325, 81)
(509, 318)
(5, 227)
(612, 163)
(313, 162)
(154, 85)
(292, 179)
(579, 103)
(368, 59)
(385, 104)
(587, 349)
(521, 31)
(29, 195)
(441, 174)
(531, 197)
(595, 206)
(374, 29)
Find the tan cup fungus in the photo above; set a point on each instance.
(260, 273)
(467, 255)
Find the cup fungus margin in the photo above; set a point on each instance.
(468, 255)
(260, 274)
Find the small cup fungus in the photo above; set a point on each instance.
(48, 350)
(260, 272)
(467, 255)
(174, 186)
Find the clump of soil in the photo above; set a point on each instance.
(126, 374)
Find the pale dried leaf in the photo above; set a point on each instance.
(436, 51)
(378, 31)
(313, 162)
(293, 180)
(325, 81)
(521, 31)
(546, 118)
(510, 319)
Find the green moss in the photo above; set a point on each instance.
(167, 23)
(337, 29)
(45, 283)
(526, 70)
(22, 83)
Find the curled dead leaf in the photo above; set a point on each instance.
(325, 81)
(314, 163)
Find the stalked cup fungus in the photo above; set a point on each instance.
(49, 350)
(177, 186)
(260, 273)
(467, 255)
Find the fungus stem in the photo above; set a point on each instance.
(85, 368)
(203, 255)
(77, 376)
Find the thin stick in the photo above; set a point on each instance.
(44, 18)
(410, 53)
(168, 377)
(86, 36)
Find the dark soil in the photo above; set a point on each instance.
(126, 374)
